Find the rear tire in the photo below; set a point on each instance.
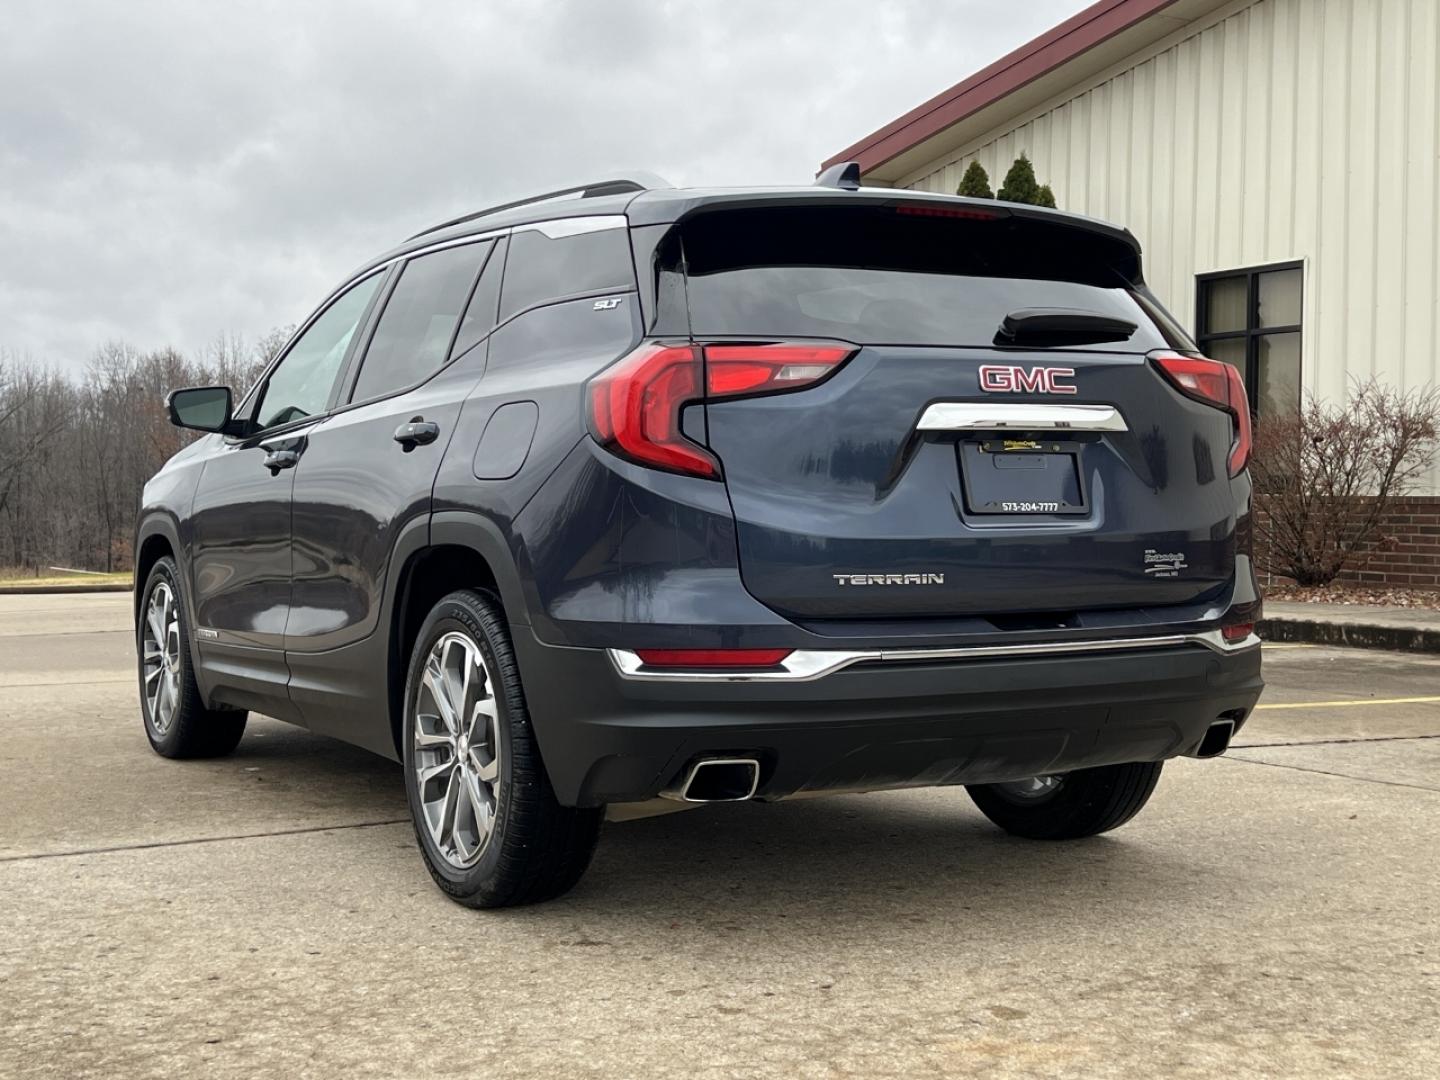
(489, 826)
(177, 722)
(1082, 803)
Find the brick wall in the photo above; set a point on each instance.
(1410, 553)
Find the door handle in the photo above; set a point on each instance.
(276, 460)
(418, 432)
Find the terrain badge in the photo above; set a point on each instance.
(889, 579)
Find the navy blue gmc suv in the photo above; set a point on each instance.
(630, 492)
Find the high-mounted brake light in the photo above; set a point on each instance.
(912, 210)
(635, 405)
(712, 658)
(1217, 384)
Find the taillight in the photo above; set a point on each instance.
(635, 405)
(1237, 632)
(1217, 384)
(635, 409)
(712, 658)
(756, 369)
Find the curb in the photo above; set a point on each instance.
(1352, 635)
(41, 590)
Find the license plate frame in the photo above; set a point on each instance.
(1043, 478)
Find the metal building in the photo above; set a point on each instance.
(1276, 158)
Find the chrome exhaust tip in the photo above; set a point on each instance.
(717, 780)
(1217, 739)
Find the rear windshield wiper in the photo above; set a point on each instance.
(1061, 326)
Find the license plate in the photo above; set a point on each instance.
(1021, 477)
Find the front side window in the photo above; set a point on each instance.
(412, 338)
(301, 384)
(1251, 319)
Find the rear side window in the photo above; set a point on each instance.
(480, 314)
(875, 276)
(412, 339)
(557, 260)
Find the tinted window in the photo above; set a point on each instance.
(541, 267)
(412, 339)
(561, 333)
(480, 313)
(300, 386)
(874, 276)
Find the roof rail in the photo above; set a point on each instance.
(618, 185)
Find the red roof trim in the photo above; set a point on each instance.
(1047, 52)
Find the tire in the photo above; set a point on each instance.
(177, 722)
(1081, 803)
(486, 818)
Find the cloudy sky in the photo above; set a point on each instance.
(172, 171)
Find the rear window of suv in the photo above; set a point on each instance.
(875, 276)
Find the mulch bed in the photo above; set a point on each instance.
(1343, 592)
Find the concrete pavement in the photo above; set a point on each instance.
(1270, 913)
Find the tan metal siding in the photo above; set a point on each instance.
(1279, 129)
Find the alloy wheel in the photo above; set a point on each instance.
(456, 749)
(160, 648)
(1031, 788)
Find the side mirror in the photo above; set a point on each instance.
(203, 408)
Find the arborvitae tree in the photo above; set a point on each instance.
(1021, 186)
(975, 183)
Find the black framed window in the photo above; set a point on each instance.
(1252, 318)
(412, 339)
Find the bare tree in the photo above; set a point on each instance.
(1330, 473)
(75, 453)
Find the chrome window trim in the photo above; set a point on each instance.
(558, 228)
(1025, 416)
(807, 665)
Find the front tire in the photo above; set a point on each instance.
(177, 722)
(1067, 807)
(489, 826)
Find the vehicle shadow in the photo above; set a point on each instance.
(924, 854)
(875, 863)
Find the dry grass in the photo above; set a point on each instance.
(11, 579)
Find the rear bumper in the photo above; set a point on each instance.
(887, 720)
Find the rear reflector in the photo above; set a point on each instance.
(712, 658)
(635, 405)
(1217, 384)
(1237, 631)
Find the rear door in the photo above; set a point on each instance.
(369, 469)
(953, 465)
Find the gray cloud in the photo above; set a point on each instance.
(170, 171)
